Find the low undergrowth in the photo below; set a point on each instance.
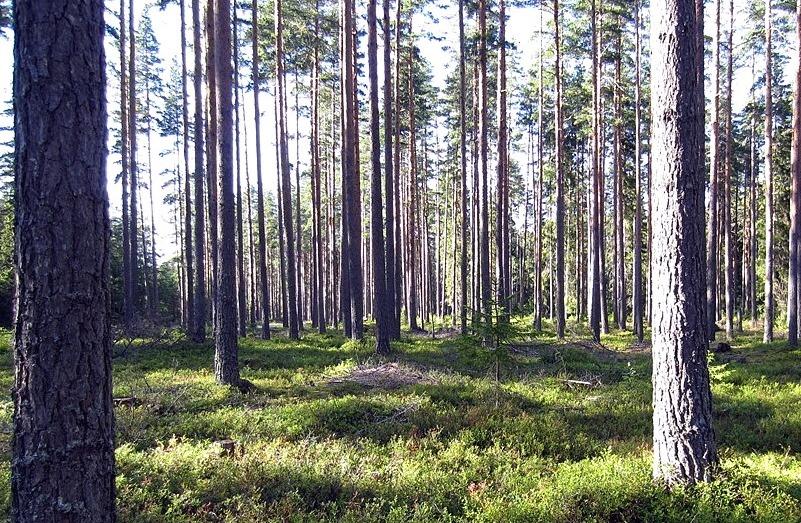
(563, 435)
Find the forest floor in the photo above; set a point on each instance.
(333, 433)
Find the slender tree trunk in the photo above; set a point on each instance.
(712, 215)
(127, 284)
(729, 170)
(795, 201)
(240, 223)
(189, 277)
(463, 173)
(134, 170)
(226, 360)
(768, 334)
(595, 240)
(286, 189)
(381, 302)
(752, 214)
(684, 443)
(412, 228)
(316, 203)
(560, 190)
(502, 212)
(484, 251)
(540, 168)
(264, 281)
(62, 466)
(212, 150)
(620, 243)
(298, 230)
(199, 327)
(637, 297)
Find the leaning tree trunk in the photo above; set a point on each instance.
(684, 443)
(795, 204)
(62, 466)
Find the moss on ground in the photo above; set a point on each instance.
(312, 445)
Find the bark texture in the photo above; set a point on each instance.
(62, 467)
(684, 444)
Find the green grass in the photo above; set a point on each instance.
(455, 447)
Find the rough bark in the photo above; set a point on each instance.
(712, 214)
(684, 445)
(62, 465)
(226, 360)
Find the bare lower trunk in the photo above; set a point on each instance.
(684, 444)
(62, 466)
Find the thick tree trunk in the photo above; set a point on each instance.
(795, 201)
(684, 444)
(768, 333)
(226, 360)
(62, 466)
(560, 182)
(199, 328)
(264, 281)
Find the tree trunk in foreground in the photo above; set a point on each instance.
(684, 443)
(768, 334)
(226, 359)
(62, 467)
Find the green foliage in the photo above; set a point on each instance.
(453, 446)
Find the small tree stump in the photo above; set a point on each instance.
(227, 447)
